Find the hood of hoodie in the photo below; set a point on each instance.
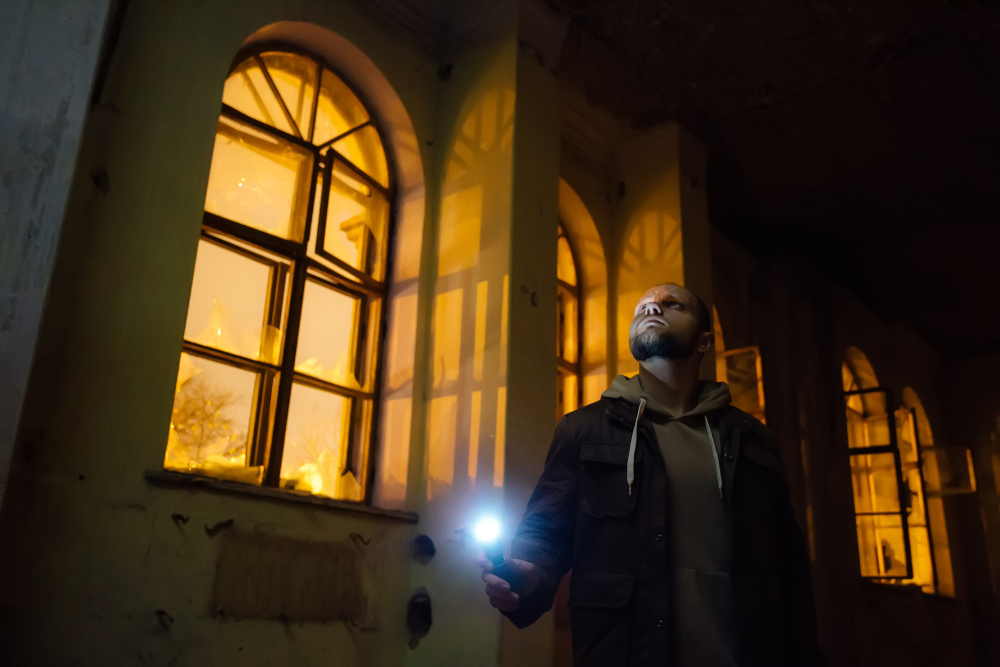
(711, 396)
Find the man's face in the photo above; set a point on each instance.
(665, 325)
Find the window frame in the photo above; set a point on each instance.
(891, 448)
(914, 426)
(564, 367)
(275, 381)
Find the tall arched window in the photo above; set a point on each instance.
(569, 389)
(281, 353)
(894, 544)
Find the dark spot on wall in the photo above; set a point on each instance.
(99, 177)
(166, 620)
(422, 549)
(219, 527)
(418, 616)
(444, 72)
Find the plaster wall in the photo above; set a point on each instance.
(100, 551)
(48, 59)
(972, 407)
(462, 462)
(661, 226)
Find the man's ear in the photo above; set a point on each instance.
(706, 341)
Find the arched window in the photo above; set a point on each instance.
(281, 352)
(569, 389)
(742, 370)
(889, 501)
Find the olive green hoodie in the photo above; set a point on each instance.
(703, 628)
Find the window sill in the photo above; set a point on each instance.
(186, 480)
(909, 589)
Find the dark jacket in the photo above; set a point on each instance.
(581, 516)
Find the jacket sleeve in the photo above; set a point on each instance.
(545, 535)
(799, 619)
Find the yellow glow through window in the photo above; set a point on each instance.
(276, 382)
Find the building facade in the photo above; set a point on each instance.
(297, 291)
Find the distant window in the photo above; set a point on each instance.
(569, 388)
(281, 354)
(890, 497)
(742, 370)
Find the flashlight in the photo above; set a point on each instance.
(487, 533)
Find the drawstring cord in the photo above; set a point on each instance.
(715, 454)
(630, 471)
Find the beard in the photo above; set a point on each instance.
(663, 345)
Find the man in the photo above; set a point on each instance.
(672, 509)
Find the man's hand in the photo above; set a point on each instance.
(499, 591)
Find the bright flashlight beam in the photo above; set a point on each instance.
(487, 530)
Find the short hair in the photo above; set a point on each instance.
(704, 317)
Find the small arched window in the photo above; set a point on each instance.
(742, 370)
(281, 355)
(569, 323)
(894, 541)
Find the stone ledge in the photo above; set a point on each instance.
(186, 480)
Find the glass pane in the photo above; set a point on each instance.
(866, 431)
(258, 180)
(881, 546)
(873, 477)
(326, 335)
(314, 437)
(210, 425)
(745, 383)
(949, 470)
(338, 110)
(295, 78)
(356, 222)
(228, 307)
(365, 358)
(350, 486)
(246, 90)
(918, 514)
(565, 268)
(906, 437)
(877, 430)
(364, 150)
(568, 325)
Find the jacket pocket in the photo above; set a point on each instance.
(601, 614)
(601, 590)
(604, 489)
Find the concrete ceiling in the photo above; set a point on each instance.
(864, 135)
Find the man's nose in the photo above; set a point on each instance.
(652, 309)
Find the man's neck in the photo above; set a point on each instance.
(671, 383)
